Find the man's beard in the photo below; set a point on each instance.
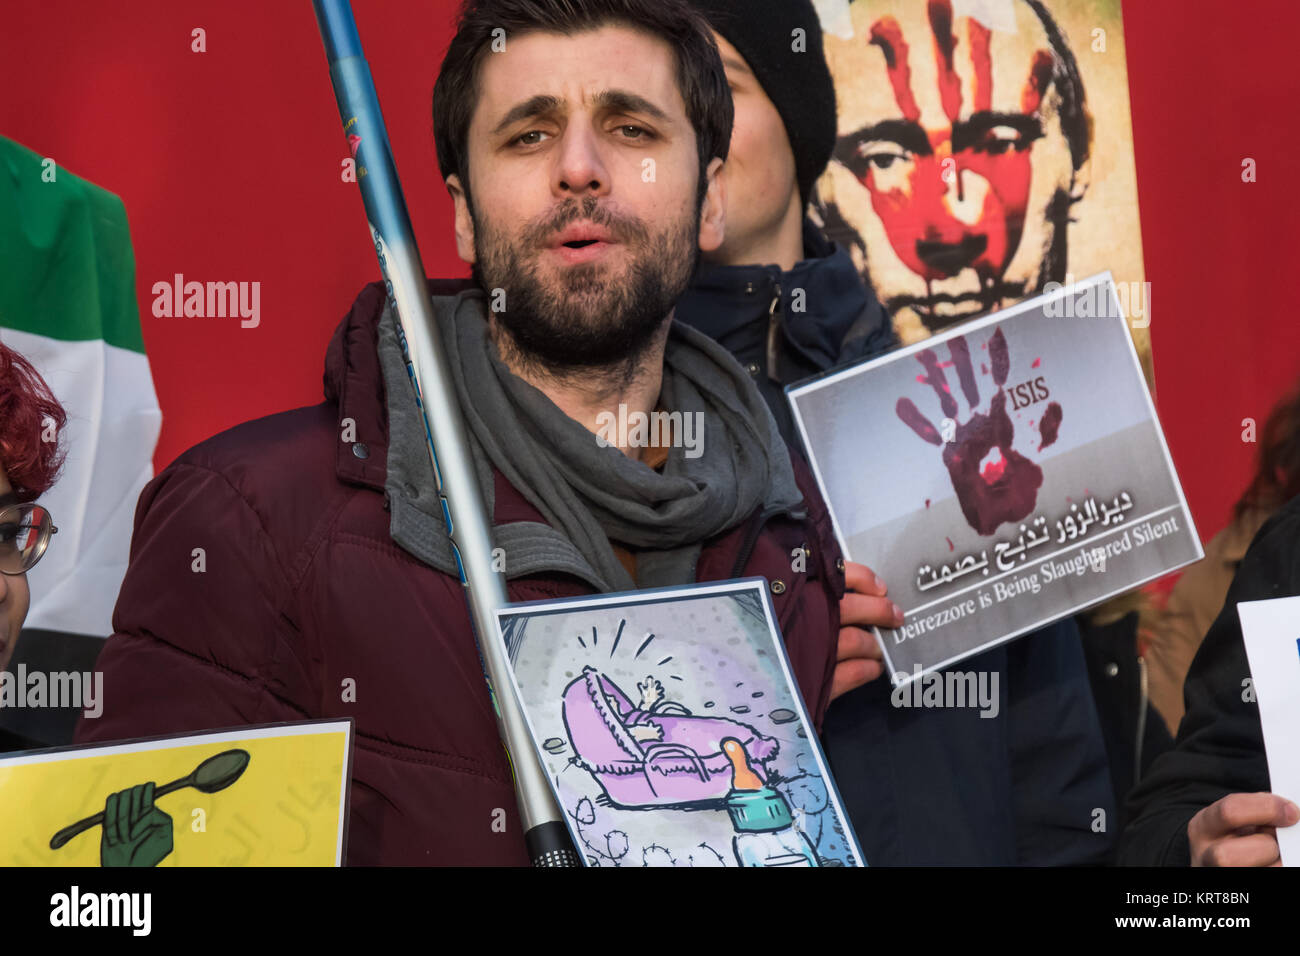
(591, 315)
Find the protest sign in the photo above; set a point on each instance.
(254, 796)
(672, 730)
(999, 477)
(1271, 633)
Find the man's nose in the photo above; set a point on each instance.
(580, 167)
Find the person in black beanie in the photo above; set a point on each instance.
(932, 786)
(780, 41)
(785, 301)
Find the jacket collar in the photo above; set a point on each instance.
(354, 381)
(723, 299)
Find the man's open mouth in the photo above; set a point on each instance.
(577, 251)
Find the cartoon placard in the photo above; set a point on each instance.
(672, 730)
(256, 796)
(1000, 476)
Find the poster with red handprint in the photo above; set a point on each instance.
(1000, 476)
(984, 155)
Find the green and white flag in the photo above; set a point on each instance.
(67, 303)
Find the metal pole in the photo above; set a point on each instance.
(467, 520)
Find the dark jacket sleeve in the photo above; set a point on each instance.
(202, 637)
(1220, 745)
(1060, 777)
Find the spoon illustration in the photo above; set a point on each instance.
(216, 773)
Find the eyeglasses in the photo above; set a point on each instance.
(25, 532)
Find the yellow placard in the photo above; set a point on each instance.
(267, 796)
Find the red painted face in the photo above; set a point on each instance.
(950, 198)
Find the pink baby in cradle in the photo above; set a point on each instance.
(656, 753)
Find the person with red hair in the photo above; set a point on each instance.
(31, 420)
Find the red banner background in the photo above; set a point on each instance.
(229, 162)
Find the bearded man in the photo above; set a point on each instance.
(298, 566)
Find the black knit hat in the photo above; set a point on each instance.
(798, 83)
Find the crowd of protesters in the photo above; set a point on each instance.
(697, 319)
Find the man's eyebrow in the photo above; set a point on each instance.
(619, 101)
(538, 105)
(966, 132)
(906, 134)
(9, 498)
(623, 101)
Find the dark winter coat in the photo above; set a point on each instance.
(940, 786)
(305, 586)
(1220, 744)
(791, 325)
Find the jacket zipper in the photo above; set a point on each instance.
(773, 330)
(773, 372)
(751, 540)
(1144, 700)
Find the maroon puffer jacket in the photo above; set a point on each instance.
(304, 588)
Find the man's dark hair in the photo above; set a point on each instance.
(701, 79)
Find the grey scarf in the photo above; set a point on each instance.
(593, 494)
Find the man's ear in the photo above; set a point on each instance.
(713, 216)
(464, 221)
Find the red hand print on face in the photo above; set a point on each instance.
(954, 197)
(1004, 488)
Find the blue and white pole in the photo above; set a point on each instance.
(463, 508)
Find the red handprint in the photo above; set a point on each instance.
(1006, 487)
(948, 164)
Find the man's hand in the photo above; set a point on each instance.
(859, 658)
(1240, 830)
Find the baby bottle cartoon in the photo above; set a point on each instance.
(765, 832)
